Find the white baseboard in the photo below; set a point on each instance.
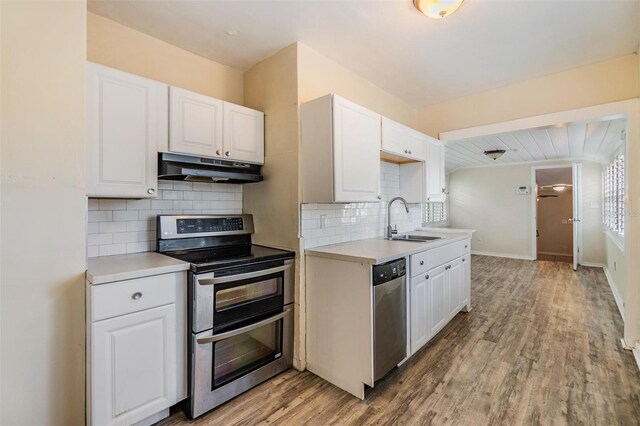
(507, 255)
(614, 290)
(592, 264)
(636, 354)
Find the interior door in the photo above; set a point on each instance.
(577, 214)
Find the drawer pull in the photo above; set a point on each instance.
(137, 295)
(422, 262)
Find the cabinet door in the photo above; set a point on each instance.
(126, 122)
(243, 134)
(420, 328)
(356, 152)
(133, 366)
(195, 123)
(434, 172)
(455, 279)
(402, 140)
(437, 298)
(466, 281)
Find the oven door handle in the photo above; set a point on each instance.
(246, 329)
(238, 277)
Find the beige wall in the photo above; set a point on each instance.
(271, 86)
(319, 75)
(485, 199)
(555, 237)
(43, 212)
(114, 45)
(595, 84)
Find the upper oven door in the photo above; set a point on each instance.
(230, 296)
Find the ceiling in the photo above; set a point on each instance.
(595, 140)
(484, 45)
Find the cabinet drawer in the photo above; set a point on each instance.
(465, 247)
(124, 297)
(445, 254)
(420, 263)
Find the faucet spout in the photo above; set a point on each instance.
(390, 230)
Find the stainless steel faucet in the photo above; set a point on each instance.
(390, 230)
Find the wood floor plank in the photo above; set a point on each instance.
(540, 347)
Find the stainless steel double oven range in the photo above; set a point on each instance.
(240, 305)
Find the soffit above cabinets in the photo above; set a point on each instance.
(596, 140)
(484, 45)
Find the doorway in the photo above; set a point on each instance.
(555, 216)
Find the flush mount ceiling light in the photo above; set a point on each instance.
(494, 154)
(437, 9)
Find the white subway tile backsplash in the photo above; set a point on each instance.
(356, 221)
(118, 226)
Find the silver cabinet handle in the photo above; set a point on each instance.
(466, 246)
(410, 152)
(426, 277)
(227, 153)
(379, 197)
(246, 329)
(447, 267)
(228, 278)
(137, 295)
(151, 191)
(463, 259)
(218, 152)
(422, 262)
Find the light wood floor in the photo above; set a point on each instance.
(541, 346)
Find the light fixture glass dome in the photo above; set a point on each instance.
(437, 9)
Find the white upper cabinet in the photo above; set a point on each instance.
(126, 122)
(195, 123)
(403, 141)
(434, 173)
(340, 152)
(243, 133)
(205, 126)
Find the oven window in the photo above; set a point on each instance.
(253, 292)
(239, 355)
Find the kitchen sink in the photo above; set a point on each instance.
(415, 238)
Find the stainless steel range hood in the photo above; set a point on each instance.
(202, 169)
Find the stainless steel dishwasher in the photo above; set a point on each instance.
(389, 316)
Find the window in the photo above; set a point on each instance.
(613, 180)
(435, 213)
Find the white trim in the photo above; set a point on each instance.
(505, 255)
(592, 264)
(601, 112)
(614, 291)
(636, 354)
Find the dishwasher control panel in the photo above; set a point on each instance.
(386, 272)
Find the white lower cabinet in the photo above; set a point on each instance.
(136, 348)
(438, 294)
(134, 365)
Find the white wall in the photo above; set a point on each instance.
(118, 226)
(485, 199)
(356, 221)
(43, 212)
(616, 269)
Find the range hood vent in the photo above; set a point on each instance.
(202, 169)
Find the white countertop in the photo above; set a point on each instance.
(378, 250)
(107, 269)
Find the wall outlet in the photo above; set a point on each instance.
(323, 221)
(522, 190)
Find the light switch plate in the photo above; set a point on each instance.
(522, 190)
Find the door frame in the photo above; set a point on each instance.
(534, 208)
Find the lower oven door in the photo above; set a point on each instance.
(234, 295)
(226, 364)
